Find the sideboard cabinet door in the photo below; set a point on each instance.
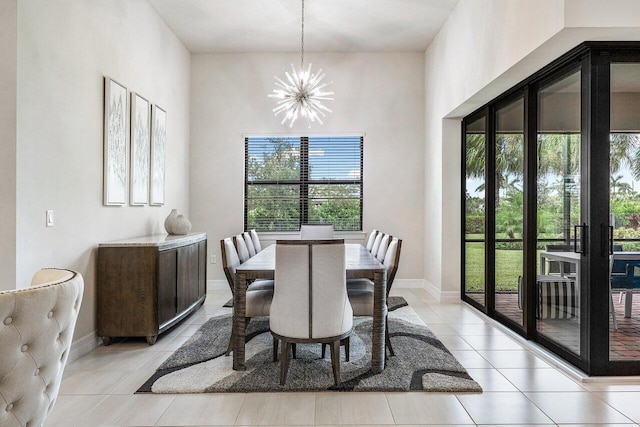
(188, 273)
(167, 285)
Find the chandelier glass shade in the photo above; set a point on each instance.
(300, 93)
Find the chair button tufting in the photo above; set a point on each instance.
(9, 407)
(36, 373)
(8, 321)
(24, 348)
(50, 314)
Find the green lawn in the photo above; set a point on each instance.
(508, 268)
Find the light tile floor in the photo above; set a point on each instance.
(519, 387)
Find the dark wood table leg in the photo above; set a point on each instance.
(379, 323)
(239, 310)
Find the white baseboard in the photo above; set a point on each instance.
(82, 346)
(409, 283)
(440, 295)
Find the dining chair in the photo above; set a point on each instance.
(372, 238)
(230, 261)
(259, 292)
(36, 330)
(376, 243)
(382, 249)
(241, 247)
(310, 302)
(256, 240)
(361, 291)
(316, 231)
(249, 242)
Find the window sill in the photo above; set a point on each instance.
(295, 235)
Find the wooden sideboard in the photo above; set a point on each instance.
(148, 284)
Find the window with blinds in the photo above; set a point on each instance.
(303, 180)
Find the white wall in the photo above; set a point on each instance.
(8, 69)
(65, 47)
(380, 94)
(483, 49)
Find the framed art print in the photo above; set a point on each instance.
(115, 143)
(158, 150)
(140, 150)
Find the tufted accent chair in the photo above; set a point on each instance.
(36, 329)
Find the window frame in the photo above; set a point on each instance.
(304, 182)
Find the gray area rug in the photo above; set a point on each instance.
(421, 363)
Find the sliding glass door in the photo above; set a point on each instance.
(475, 212)
(558, 214)
(624, 208)
(508, 205)
(551, 214)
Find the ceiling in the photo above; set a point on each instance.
(330, 25)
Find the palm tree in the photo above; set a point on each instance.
(509, 159)
(614, 183)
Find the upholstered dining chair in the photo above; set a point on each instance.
(249, 242)
(36, 330)
(259, 292)
(316, 231)
(382, 249)
(231, 261)
(372, 238)
(360, 291)
(241, 247)
(256, 240)
(310, 303)
(376, 243)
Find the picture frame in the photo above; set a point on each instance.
(140, 150)
(115, 143)
(158, 155)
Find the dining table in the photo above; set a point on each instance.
(623, 280)
(360, 264)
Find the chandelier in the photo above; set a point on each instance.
(302, 92)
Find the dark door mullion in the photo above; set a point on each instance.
(530, 210)
(490, 237)
(595, 211)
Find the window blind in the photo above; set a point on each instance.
(303, 180)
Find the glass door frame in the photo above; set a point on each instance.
(578, 63)
(603, 55)
(488, 278)
(594, 59)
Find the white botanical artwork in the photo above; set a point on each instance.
(158, 151)
(115, 143)
(140, 150)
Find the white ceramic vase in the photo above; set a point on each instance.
(168, 222)
(181, 225)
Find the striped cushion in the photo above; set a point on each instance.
(557, 298)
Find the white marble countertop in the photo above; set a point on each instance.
(161, 241)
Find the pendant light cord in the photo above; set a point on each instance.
(302, 40)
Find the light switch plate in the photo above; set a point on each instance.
(49, 218)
